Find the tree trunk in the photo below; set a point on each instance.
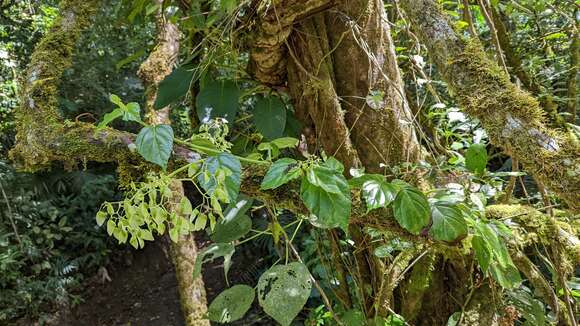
(152, 71)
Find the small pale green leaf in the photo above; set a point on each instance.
(101, 217)
(155, 144)
(283, 290)
(110, 117)
(281, 172)
(111, 226)
(411, 210)
(448, 222)
(228, 164)
(270, 116)
(232, 304)
(132, 112)
(285, 142)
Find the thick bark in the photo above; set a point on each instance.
(364, 62)
(511, 117)
(152, 71)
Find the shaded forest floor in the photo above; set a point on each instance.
(142, 290)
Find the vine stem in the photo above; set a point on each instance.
(216, 151)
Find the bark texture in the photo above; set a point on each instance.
(152, 71)
(512, 118)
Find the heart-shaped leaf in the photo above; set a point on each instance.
(283, 290)
(235, 223)
(448, 222)
(378, 193)
(155, 144)
(281, 172)
(476, 158)
(217, 99)
(221, 172)
(270, 116)
(173, 87)
(327, 197)
(232, 304)
(411, 210)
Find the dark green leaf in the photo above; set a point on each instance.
(283, 290)
(476, 158)
(411, 210)
(235, 223)
(232, 304)
(332, 209)
(218, 99)
(448, 222)
(212, 252)
(482, 252)
(174, 86)
(270, 117)
(155, 144)
(378, 193)
(281, 172)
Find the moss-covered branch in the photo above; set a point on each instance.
(512, 118)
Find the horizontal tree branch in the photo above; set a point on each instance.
(512, 118)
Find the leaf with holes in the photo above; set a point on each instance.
(283, 290)
(212, 252)
(270, 116)
(155, 144)
(281, 172)
(218, 99)
(232, 304)
(174, 86)
(411, 210)
(448, 222)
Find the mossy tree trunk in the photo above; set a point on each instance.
(338, 61)
(184, 252)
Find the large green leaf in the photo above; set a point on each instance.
(378, 193)
(212, 252)
(232, 304)
(281, 172)
(270, 116)
(283, 290)
(327, 195)
(235, 223)
(221, 173)
(448, 222)
(476, 158)
(155, 144)
(174, 86)
(217, 99)
(411, 210)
